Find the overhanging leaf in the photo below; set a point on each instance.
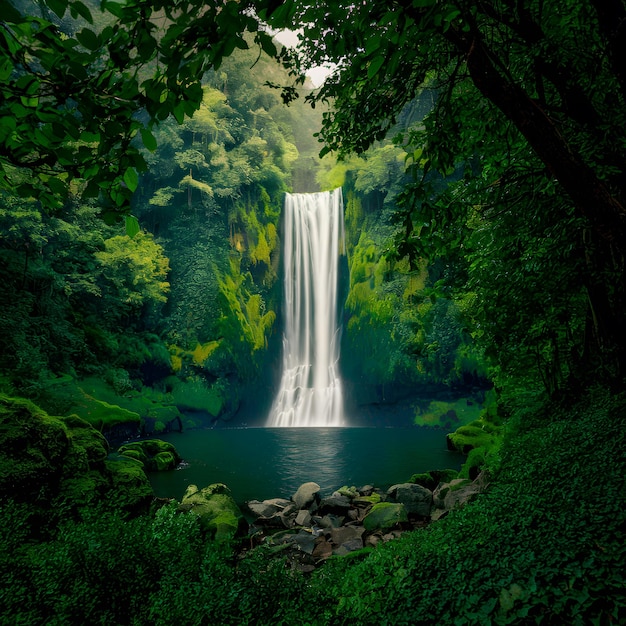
(132, 225)
(148, 139)
(375, 65)
(131, 178)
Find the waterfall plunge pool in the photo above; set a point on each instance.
(263, 463)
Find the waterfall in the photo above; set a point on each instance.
(310, 391)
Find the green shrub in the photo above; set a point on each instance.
(543, 545)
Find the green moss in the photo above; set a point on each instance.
(33, 446)
(153, 454)
(385, 515)
(480, 440)
(132, 487)
(469, 437)
(84, 489)
(349, 492)
(83, 435)
(431, 479)
(165, 461)
(103, 407)
(218, 512)
(138, 455)
(101, 414)
(60, 463)
(425, 480)
(480, 433)
(373, 499)
(475, 461)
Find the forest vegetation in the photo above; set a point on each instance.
(145, 150)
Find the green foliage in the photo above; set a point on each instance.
(394, 332)
(59, 465)
(101, 414)
(245, 323)
(69, 288)
(517, 185)
(214, 191)
(193, 394)
(539, 545)
(444, 414)
(135, 268)
(71, 88)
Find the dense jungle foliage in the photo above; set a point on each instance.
(190, 292)
(144, 155)
(543, 545)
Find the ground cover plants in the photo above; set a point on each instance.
(544, 544)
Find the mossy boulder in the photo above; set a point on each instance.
(154, 454)
(60, 463)
(33, 450)
(481, 433)
(87, 439)
(431, 479)
(349, 492)
(218, 512)
(162, 419)
(475, 462)
(119, 412)
(417, 500)
(132, 488)
(385, 515)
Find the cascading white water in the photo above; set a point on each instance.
(310, 391)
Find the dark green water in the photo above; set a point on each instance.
(261, 463)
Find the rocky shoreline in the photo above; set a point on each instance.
(310, 528)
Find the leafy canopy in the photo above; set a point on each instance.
(80, 86)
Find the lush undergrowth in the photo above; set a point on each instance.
(543, 545)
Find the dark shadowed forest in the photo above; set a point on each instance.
(146, 150)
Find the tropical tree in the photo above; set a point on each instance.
(529, 98)
(74, 76)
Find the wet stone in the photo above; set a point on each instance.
(303, 518)
(349, 546)
(323, 548)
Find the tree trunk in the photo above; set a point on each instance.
(590, 195)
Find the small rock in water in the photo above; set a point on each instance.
(306, 495)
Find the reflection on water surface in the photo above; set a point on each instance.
(261, 463)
